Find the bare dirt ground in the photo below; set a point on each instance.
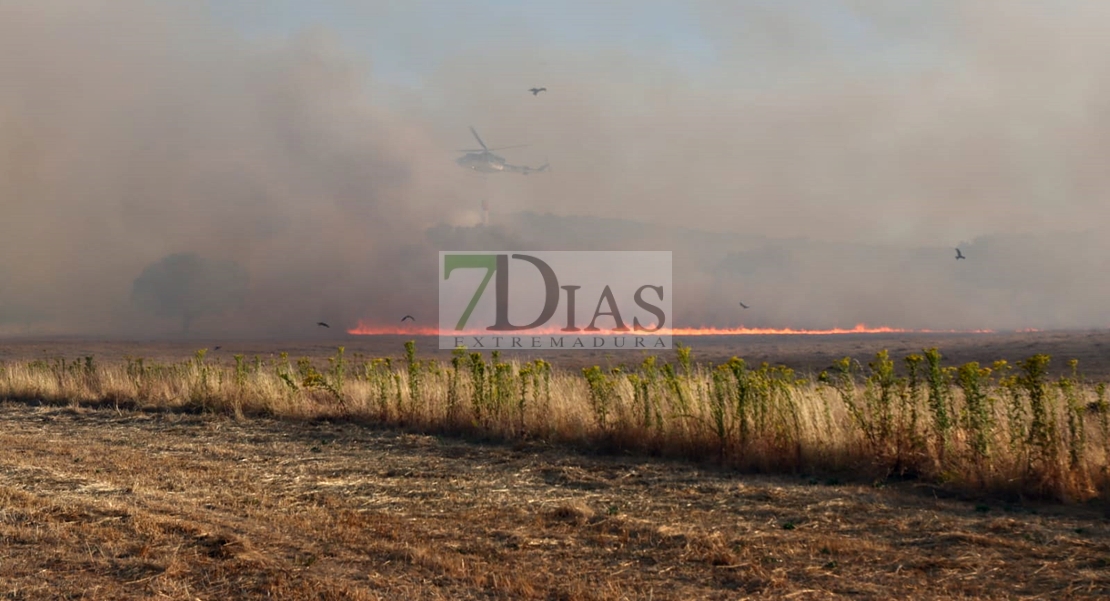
(100, 504)
(806, 354)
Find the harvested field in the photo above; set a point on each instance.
(102, 504)
(803, 353)
(160, 501)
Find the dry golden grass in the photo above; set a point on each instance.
(1001, 430)
(324, 479)
(804, 354)
(127, 505)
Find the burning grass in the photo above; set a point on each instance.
(999, 430)
(363, 329)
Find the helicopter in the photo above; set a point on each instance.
(483, 160)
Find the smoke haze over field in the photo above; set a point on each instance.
(818, 161)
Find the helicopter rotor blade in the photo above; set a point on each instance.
(478, 138)
(507, 147)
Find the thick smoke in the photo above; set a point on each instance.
(868, 140)
(132, 130)
(820, 166)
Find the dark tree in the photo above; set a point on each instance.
(187, 286)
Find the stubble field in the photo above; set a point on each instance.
(115, 503)
(100, 505)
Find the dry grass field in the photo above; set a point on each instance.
(805, 354)
(340, 475)
(102, 505)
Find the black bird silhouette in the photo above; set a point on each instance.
(408, 317)
(320, 323)
(536, 91)
(216, 348)
(959, 255)
(743, 305)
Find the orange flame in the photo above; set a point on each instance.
(859, 329)
(363, 329)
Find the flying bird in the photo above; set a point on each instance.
(320, 323)
(959, 255)
(216, 348)
(408, 317)
(743, 305)
(536, 91)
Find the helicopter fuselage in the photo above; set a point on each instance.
(482, 162)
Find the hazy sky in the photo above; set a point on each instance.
(870, 103)
(408, 40)
(313, 143)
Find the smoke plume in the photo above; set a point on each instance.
(819, 161)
